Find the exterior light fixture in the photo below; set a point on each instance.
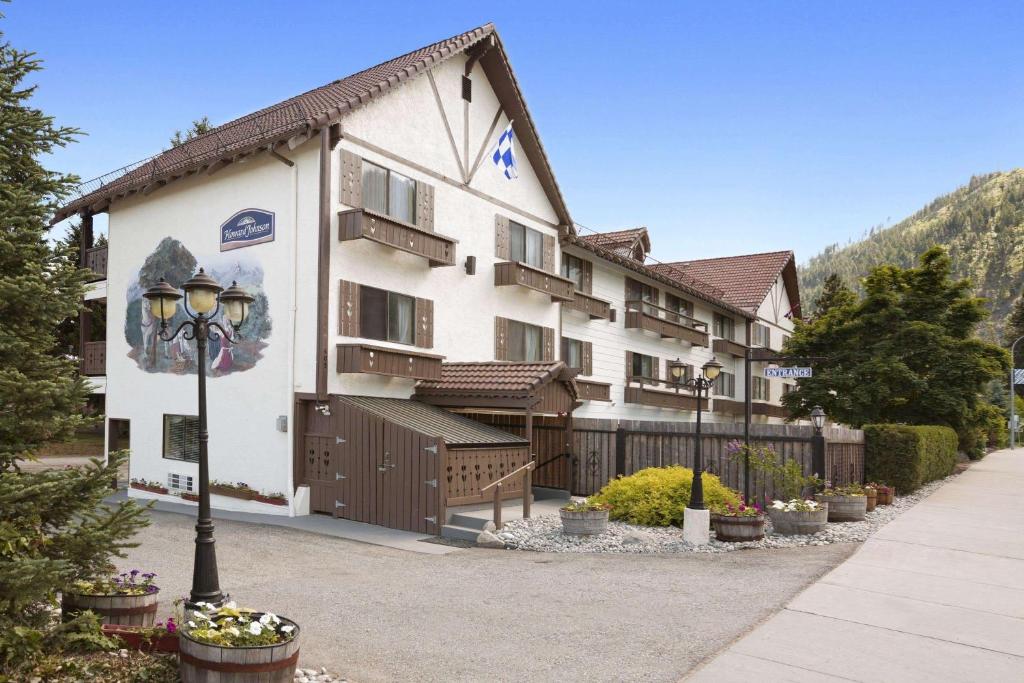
(818, 419)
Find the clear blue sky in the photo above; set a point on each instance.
(723, 127)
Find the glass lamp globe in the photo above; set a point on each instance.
(236, 304)
(818, 418)
(677, 368)
(202, 291)
(163, 300)
(712, 369)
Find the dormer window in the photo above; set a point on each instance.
(389, 193)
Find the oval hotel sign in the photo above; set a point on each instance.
(247, 227)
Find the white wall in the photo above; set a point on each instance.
(611, 340)
(243, 406)
(772, 312)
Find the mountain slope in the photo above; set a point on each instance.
(982, 225)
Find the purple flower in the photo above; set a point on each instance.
(171, 626)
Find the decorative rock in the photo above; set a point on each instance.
(636, 537)
(487, 539)
(489, 526)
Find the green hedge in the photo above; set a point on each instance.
(907, 456)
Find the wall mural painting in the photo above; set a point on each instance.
(175, 263)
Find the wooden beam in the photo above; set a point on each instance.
(277, 155)
(217, 165)
(153, 187)
(297, 140)
(85, 238)
(447, 127)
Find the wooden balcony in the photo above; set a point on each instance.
(728, 407)
(662, 399)
(666, 323)
(93, 362)
(594, 391)
(359, 224)
(377, 360)
(595, 308)
(729, 347)
(96, 261)
(517, 273)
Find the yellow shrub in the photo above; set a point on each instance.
(657, 496)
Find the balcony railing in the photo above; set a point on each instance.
(669, 324)
(594, 307)
(594, 391)
(94, 359)
(356, 224)
(377, 360)
(518, 273)
(96, 261)
(729, 347)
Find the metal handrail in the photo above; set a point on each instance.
(694, 324)
(551, 460)
(527, 469)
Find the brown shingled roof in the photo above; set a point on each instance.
(623, 242)
(746, 280)
(294, 120)
(499, 379)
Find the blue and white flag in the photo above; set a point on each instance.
(504, 154)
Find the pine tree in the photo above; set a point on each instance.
(53, 528)
(198, 127)
(834, 293)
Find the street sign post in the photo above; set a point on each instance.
(788, 373)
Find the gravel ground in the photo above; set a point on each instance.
(544, 533)
(370, 613)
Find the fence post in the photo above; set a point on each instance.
(497, 506)
(620, 451)
(818, 456)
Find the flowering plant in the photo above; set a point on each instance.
(142, 483)
(787, 476)
(847, 490)
(795, 505)
(741, 510)
(134, 582)
(586, 505)
(229, 626)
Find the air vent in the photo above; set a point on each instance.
(179, 482)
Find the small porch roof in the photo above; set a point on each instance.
(502, 384)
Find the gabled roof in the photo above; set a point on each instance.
(663, 273)
(456, 430)
(294, 120)
(746, 280)
(634, 242)
(496, 379)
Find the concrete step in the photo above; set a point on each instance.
(542, 493)
(460, 533)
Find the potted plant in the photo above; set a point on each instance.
(163, 637)
(151, 486)
(584, 517)
(129, 598)
(798, 517)
(871, 492)
(274, 498)
(188, 495)
(845, 503)
(737, 523)
(885, 494)
(228, 643)
(239, 490)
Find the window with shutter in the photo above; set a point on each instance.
(351, 179)
(387, 316)
(644, 366)
(572, 353)
(725, 385)
(425, 206)
(502, 239)
(573, 268)
(425, 323)
(181, 438)
(388, 192)
(724, 327)
(549, 254)
(348, 315)
(500, 338)
(526, 245)
(526, 342)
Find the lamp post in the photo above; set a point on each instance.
(204, 297)
(1013, 394)
(702, 385)
(818, 442)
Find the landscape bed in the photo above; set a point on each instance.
(544, 533)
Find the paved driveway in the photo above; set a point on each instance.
(379, 614)
(936, 595)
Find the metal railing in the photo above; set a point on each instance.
(667, 314)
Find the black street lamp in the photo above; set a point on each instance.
(205, 297)
(702, 385)
(818, 442)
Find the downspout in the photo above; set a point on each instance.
(292, 315)
(748, 411)
(323, 263)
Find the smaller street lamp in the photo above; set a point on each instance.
(818, 419)
(818, 442)
(202, 301)
(702, 385)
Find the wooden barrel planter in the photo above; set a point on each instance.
(142, 639)
(584, 523)
(799, 523)
(738, 529)
(885, 495)
(204, 663)
(844, 508)
(872, 496)
(126, 610)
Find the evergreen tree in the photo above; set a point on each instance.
(198, 127)
(834, 293)
(1014, 329)
(52, 527)
(904, 352)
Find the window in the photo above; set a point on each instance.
(678, 305)
(725, 385)
(525, 341)
(526, 245)
(572, 268)
(638, 291)
(724, 327)
(644, 366)
(786, 388)
(572, 353)
(760, 389)
(762, 335)
(785, 340)
(386, 316)
(181, 437)
(389, 193)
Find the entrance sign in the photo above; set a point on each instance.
(1018, 376)
(245, 228)
(788, 373)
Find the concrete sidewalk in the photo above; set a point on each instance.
(936, 595)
